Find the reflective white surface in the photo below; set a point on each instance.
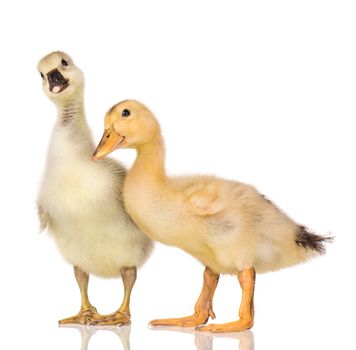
(86, 333)
(136, 338)
(202, 341)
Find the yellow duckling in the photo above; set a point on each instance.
(227, 225)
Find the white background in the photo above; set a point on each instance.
(258, 91)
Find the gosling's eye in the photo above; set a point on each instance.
(64, 63)
(42, 76)
(125, 113)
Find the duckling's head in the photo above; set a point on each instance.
(62, 79)
(128, 124)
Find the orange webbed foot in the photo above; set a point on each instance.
(198, 318)
(237, 326)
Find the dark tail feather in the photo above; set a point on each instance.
(310, 240)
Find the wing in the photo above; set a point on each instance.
(43, 216)
(206, 199)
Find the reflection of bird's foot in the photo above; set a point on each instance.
(118, 318)
(194, 320)
(203, 341)
(85, 317)
(237, 326)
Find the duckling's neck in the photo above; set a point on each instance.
(150, 160)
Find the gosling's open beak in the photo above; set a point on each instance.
(57, 82)
(109, 142)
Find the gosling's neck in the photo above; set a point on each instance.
(150, 160)
(71, 111)
(71, 119)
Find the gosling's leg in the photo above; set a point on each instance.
(246, 313)
(87, 314)
(122, 316)
(203, 307)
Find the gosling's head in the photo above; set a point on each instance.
(62, 79)
(128, 124)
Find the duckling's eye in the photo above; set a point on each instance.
(125, 113)
(42, 76)
(64, 63)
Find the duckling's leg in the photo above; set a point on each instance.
(203, 307)
(247, 282)
(87, 313)
(122, 316)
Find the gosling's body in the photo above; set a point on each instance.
(80, 202)
(227, 225)
(83, 201)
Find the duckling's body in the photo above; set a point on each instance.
(81, 201)
(227, 225)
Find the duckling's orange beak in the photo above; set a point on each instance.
(108, 143)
